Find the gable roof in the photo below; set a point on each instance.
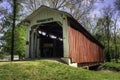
(42, 7)
(79, 27)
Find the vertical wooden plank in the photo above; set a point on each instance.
(81, 49)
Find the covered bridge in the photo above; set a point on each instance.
(56, 34)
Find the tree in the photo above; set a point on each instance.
(104, 29)
(16, 9)
(5, 22)
(116, 18)
(107, 32)
(58, 4)
(32, 5)
(13, 16)
(4, 14)
(19, 41)
(100, 31)
(117, 4)
(77, 8)
(13, 28)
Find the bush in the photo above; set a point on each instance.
(2, 56)
(112, 66)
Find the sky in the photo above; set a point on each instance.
(99, 6)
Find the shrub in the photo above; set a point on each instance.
(112, 66)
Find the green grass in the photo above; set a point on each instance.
(50, 70)
(112, 66)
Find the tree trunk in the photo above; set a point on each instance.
(115, 42)
(108, 40)
(13, 28)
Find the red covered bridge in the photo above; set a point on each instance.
(56, 34)
(83, 48)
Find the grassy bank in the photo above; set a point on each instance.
(50, 70)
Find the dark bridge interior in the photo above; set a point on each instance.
(51, 40)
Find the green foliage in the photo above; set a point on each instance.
(1, 56)
(103, 34)
(50, 70)
(20, 41)
(112, 66)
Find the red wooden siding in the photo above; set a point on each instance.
(83, 50)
